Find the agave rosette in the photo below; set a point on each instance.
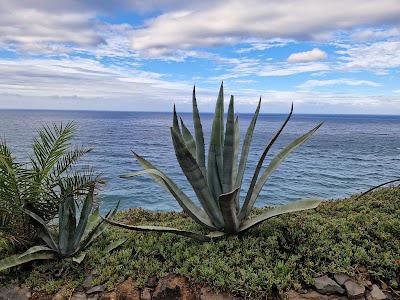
(217, 181)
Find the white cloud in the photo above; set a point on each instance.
(375, 57)
(309, 84)
(83, 79)
(225, 22)
(319, 102)
(372, 34)
(290, 69)
(307, 56)
(261, 45)
(87, 84)
(33, 29)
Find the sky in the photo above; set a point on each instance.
(329, 57)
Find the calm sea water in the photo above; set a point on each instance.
(348, 154)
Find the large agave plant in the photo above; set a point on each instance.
(72, 237)
(217, 181)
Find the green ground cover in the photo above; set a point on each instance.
(285, 252)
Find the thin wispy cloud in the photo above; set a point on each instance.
(310, 84)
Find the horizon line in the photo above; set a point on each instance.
(189, 112)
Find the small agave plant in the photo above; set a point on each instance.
(72, 237)
(217, 182)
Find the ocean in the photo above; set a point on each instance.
(349, 153)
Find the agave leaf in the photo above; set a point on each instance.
(198, 133)
(236, 146)
(42, 230)
(175, 123)
(84, 217)
(188, 139)
(215, 159)
(93, 221)
(214, 182)
(114, 245)
(95, 228)
(67, 225)
(245, 150)
(33, 253)
(275, 162)
(227, 202)
(228, 149)
(262, 158)
(193, 235)
(184, 201)
(279, 210)
(196, 178)
(147, 165)
(79, 258)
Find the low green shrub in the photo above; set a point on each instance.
(287, 251)
(36, 184)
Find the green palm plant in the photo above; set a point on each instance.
(37, 184)
(73, 236)
(217, 184)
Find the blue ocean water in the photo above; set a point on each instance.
(348, 154)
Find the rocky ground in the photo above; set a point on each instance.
(173, 287)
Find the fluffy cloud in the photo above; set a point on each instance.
(34, 29)
(309, 84)
(307, 56)
(230, 21)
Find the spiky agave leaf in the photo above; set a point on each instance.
(227, 203)
(197, 236)
(43, 230)
(229, 151)
(67, 226)
(184, 201)
(83, 218)
(236, 149)
(275, 162)
(196, 178)
(34, 253)
(263, 156)
(198, 133)
(188, 139)
(245, 150)
(114, 245)
(293, 206)
(215, 155)
(94, 228)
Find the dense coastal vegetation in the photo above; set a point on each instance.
(48, 206)
(289, 251)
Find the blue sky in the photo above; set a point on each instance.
(325, 56)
